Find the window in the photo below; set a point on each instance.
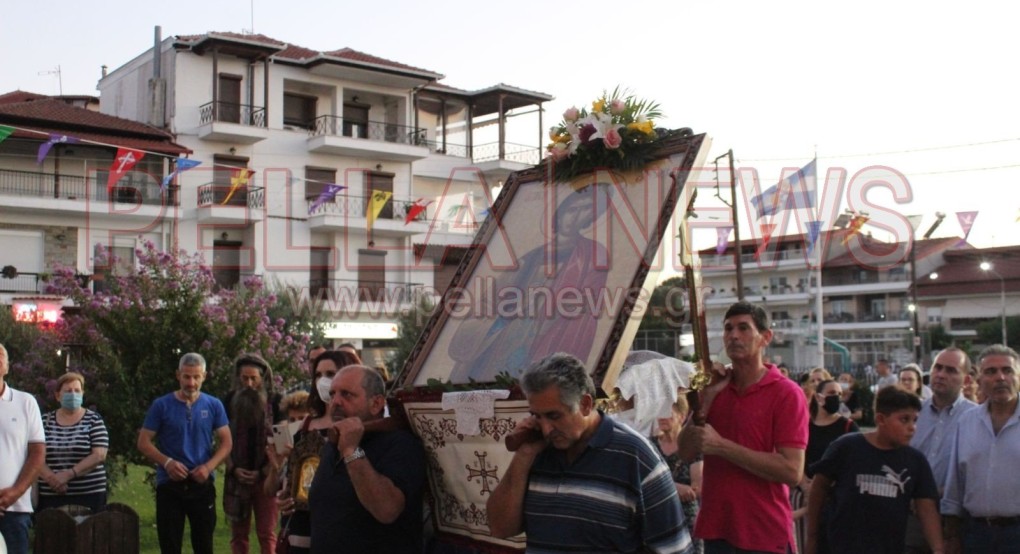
(109, 261)
(371, 275)
(934, 315)
(318, 271)
(226, 263)
(316, 179)
(299, 110)
(355, 120)
(228, 98)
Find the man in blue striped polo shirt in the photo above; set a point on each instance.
(590, 484)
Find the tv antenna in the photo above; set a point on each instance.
(60, 80)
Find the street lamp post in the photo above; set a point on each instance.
(987, 267)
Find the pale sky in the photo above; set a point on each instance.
(775, 81)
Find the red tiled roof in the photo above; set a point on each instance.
(49, 115)
(20, 96)
(961, 272)
(299, 53)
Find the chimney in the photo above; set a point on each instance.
(157, 85)
(104, 68)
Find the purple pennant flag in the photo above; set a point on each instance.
(182, 165)
(44, 148)
(966, 220)
(723, 241)
(327, 195)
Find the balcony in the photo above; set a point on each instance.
(136, 194)
(217, 205)
(346, 295)
(367, 139)
(230, 122)
(845, 321)
(23, 283)
(450, 157)
(347, 211)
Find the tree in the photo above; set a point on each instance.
(667, 306)
(128, 338)
(990, 332)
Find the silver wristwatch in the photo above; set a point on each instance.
(356, 455)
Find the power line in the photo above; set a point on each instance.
(889, 152)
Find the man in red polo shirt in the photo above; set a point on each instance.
(753, 441)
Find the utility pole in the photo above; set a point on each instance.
(939, 216)
(736, 224)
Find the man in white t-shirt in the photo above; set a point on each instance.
(23, 450)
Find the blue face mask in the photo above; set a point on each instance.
(71, 400)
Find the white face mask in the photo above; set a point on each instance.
(844, 386)
(322, 386)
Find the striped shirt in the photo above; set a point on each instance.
(617, 496)
(66, 445)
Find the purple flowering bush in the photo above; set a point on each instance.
(127, 338)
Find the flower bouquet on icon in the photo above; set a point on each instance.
(618, 133)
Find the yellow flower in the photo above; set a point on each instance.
(599, 105)
(644, 127)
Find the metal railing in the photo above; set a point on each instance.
(332, 125)
(212, 194)
(357, 206)
(343, 291)
(232, 112)
(132, 188)
(513, 152)
(450, 149)
(24, 282)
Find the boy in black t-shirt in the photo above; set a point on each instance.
(865, 483)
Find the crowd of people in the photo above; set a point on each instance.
(759, 464)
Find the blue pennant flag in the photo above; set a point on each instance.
(182, 165)
(793, 192)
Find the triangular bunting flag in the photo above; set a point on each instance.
(180, 166)
(239, 179)
(722, 239)
(327, 195)
(44, 148)
(5, 132)
(125, 159)
(966, 220)
(766, 235)
(414, 209)
(375, 205)
(855, 227)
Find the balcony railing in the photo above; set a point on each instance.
(345, 293)
(131, 189)
(357, 206)
(24, 282)
(230, 112)
(488, 152)
(212, 194)
(331, 125)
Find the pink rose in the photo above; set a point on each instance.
(571, 114)
(558, 151)
(617, 107)
(612, 139)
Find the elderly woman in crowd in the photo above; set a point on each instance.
(76, 446)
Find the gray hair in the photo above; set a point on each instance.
(999, 350)
(564, 371)
(192, 359)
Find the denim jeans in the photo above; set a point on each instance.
(979, 538)
(14, 528)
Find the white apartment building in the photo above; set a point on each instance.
(867, 310)
(301, 120)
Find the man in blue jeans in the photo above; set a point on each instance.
(184, 424)
(22, 453)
